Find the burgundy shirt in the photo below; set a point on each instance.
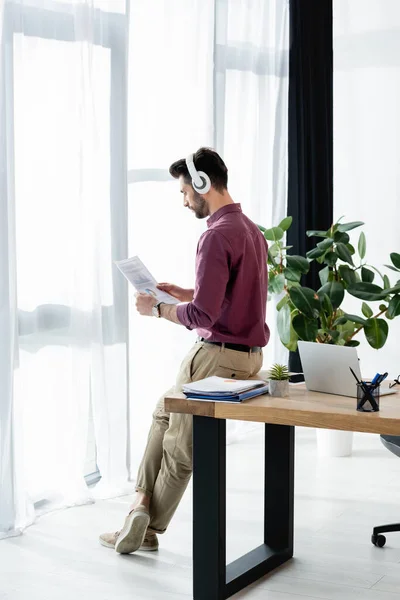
(230, 296)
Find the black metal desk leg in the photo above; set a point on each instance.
(279, 487)
(212, 578)
(209, 513)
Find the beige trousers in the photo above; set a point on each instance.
(166, 466)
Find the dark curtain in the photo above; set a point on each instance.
(310, 176)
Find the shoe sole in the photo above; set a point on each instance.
(142, 548)
(148, 548)
(106, 544)
(133, 533)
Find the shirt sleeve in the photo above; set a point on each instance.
(213, 261)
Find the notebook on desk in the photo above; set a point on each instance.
(326, 368)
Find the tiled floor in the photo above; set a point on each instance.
(337, 503)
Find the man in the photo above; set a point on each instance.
(227, 308)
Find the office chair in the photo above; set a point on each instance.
(392, 443)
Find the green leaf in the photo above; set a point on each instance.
(327, 305)
(325, 244)
(377, 271)
(261, 228)
(306, 300)
(366, 291)
(386, 282)
(292, 274)
(352, 343)
(367, 310)
(349, 226)
(315, 253)
(274, 234)
(276, 284)
(271, 260)
(367, 275)
(362, 245)
(351, 249)
(274, 250)
(395, 258)
(393, 290)
(282, 302)
(317, 233)
(346, 331)
(306, 329)
(335, 291)
(343, 252)
(347, 274)
(355, 319)
(393, 268)
(334, 334)
(331, 259)
(299, 263)
(339, 236)
(394, 307)
(292, 345)
(285, 223)
(376, 332)
(323, 275)
(383, 307)
(340, 321)
(283, 323)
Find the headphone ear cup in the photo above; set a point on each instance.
(205, 183)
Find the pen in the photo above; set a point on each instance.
(382, 378)
(355, 376)
(367, 392)
(376, 379)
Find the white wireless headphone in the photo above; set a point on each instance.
(200, 181)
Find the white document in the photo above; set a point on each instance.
(220, 386)
(142, 280)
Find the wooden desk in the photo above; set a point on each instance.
(212, 578)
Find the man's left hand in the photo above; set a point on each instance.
(144, 304)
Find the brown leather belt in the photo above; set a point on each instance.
(238, 347)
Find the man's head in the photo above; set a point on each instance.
(211, 163)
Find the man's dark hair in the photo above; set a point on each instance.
(206, 160)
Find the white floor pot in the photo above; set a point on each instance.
(334, 443)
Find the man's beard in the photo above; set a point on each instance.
(201, 209)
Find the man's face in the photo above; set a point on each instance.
(193, 200)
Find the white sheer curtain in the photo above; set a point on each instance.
(63, 311)
(201, 72)
(366, 142)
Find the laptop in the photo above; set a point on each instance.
(326, 369)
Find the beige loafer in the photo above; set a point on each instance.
(150, 542)
(132, 534)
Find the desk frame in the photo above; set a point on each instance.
(212, 578)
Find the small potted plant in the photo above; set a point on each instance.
(279, 381)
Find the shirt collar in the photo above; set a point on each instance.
(229, 208)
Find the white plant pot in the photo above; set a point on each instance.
(279, 388)
(333, 443)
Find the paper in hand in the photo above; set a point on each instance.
(142, 280)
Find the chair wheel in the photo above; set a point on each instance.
(378, 540)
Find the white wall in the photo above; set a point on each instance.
(367, 142)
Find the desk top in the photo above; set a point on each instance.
(303, 408)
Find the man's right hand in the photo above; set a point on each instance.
(177, 292)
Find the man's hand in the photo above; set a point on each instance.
(144, 304)
(177, 292)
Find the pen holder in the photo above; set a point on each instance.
(368, 397)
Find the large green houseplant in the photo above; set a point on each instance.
(317, 315)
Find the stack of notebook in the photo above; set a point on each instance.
(219, 389)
